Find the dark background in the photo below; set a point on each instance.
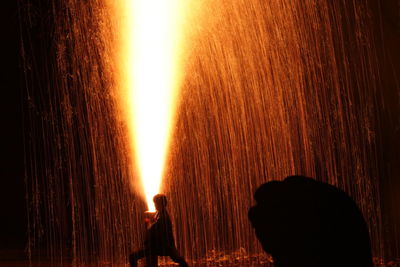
(13, 222)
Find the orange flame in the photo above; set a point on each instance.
(151, 59)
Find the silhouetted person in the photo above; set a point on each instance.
(302, 222)
(159, 237)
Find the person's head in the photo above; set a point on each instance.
(303, 222)
(160, 201)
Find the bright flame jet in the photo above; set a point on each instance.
(153, 33)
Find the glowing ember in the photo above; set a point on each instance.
(151, 68)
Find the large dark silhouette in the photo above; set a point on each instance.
(302, 222)
(159, 238)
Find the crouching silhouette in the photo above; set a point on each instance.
(159, 238)
(302, 222)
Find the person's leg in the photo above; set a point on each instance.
(176, 257)
(134, 257)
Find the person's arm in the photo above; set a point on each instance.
(149, 222)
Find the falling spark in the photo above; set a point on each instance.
(152, 49)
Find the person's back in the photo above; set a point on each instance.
(159, 235)
(302, 222)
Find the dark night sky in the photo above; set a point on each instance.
(12, 196)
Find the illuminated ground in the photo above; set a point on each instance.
(213, 260)
(236, 259)
(208, 264)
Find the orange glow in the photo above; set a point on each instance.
(152, 49)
